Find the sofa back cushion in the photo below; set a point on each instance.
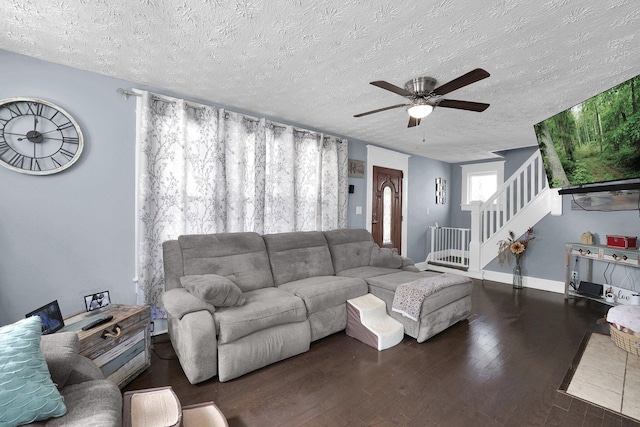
(298, 255)
(240, 257)
(349, 248)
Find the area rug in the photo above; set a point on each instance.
(605, 375)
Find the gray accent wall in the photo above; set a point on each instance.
(545, 255)
(423, 210)
(70, 233)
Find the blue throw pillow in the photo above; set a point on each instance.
(27, 393)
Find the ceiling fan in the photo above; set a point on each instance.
(424, 98)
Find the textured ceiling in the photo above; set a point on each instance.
(310, 63)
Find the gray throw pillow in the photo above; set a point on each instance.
(214, 289)
(385, 257)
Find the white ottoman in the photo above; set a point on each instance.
(368, 321)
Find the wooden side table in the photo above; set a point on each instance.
(120, 348)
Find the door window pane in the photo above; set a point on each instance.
(386, 217)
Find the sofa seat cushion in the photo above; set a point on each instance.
(322, 292)
(264, 308)
(92, 403)
(385, 286)
(366, 272)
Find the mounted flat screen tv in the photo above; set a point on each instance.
(595, 145)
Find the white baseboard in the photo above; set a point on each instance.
(527, 281)
(496, 276)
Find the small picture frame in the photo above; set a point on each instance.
(441, 191)
(50, 316)
(356, 168)
(97, 301)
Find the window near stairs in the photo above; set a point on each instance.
(480, 181)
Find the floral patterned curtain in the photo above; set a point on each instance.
(202, 169)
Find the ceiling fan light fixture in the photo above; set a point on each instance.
(420, 109)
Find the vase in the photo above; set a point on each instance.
(517, 275)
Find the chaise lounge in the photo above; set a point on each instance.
(237, 302)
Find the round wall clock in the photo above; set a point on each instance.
(37, 137)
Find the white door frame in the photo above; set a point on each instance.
(377, 156)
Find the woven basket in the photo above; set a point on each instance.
(629, 343)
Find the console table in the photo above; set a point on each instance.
(120, 348)
(628, 257)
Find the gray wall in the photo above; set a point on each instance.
(421, 196)
(545, 255)
(68, 233)
(423, 210)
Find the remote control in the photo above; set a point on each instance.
(97, 322)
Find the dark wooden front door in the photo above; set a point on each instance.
(386, 218)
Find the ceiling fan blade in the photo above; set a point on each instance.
(413, 122)
(393, 88)
(380, 109)
(466, 79)
(463, 105)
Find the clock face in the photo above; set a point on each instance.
(37, 137)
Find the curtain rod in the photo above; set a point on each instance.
(127, 93)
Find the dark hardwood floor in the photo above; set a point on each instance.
(502, 367)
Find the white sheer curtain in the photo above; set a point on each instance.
(202, 169)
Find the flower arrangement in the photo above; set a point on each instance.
(511, 246)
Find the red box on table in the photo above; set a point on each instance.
(626, 242)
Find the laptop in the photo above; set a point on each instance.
(50, 316)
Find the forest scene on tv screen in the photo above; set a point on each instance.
(595, 141)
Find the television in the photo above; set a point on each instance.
(594, 146)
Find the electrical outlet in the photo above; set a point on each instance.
(574, 276)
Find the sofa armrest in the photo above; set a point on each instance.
(60, 351)
(84, 370)
(66, 365)
(179, 302)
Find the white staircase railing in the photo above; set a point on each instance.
(450, 247)
(518, 204)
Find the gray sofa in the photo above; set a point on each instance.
(91, 400)
(239, 301)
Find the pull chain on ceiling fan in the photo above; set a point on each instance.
(425, 96)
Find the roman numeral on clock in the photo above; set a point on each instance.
(4, 147)
(35, 166)
(65, 126)
(14, 110)
(68, 154)
(17, 158)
